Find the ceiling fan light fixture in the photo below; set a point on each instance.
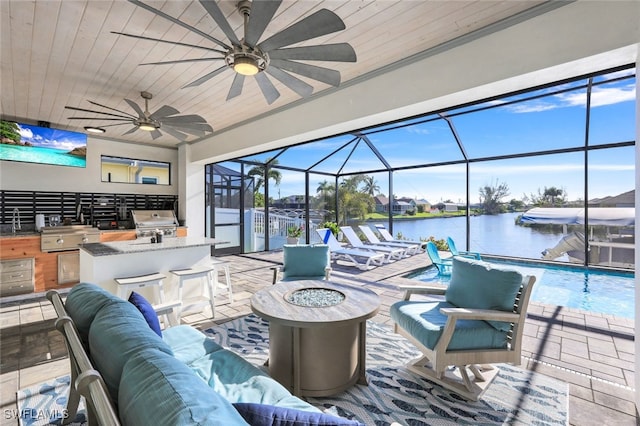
(92, 129)
(147, 127)
(245, 65)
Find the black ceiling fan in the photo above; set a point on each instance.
(248, 56)
(165, 118)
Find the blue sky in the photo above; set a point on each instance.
(546, 123)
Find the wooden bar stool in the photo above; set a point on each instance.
(218, 266)
(203, 273)
(154, 280)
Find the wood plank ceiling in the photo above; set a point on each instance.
(57, 53)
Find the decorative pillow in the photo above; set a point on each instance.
(147, 311)
(305, 261)
(481, 285)
(271, 415)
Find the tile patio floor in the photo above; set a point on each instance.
(593, 353)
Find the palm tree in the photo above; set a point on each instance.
(259, 171)
(370, 186)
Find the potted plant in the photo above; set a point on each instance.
(294, 233)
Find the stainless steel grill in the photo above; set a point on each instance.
(148, 222)
(60, 238)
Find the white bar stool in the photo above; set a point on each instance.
(154, 280)
(204, 274)
(218, 266)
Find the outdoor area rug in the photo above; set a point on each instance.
(394, 394)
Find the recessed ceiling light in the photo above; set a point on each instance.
(92, 129)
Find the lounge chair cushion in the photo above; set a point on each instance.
(480, 285)
(269, 415)
(305, 261)
(189, 344)
(423, 320)
(156, 390)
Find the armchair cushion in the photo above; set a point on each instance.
(478, 284)
(305, 261)
(424, 321)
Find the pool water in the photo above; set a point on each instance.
(609, 293)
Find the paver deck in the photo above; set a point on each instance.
(593, 353)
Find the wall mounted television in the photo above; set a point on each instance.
(44, 145)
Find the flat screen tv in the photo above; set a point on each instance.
(35, 144)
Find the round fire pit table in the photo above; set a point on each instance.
(317, 334)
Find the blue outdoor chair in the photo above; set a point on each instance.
(455, 252)
(443, 265)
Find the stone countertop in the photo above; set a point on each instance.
(145, 245)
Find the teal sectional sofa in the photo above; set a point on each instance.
(178, 376)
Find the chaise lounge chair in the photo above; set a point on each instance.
(350, 254)
(443, 265)
(455, 252)
(480, 322)
(410, 248)
(354, 240)
(388, 237)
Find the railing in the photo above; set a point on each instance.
(279, 222)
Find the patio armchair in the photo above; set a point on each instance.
(443, 265)
(303, 262)
(479, 322)
(455, 252)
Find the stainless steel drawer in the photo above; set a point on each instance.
(16, 265)
(19, 287)
(17, 276)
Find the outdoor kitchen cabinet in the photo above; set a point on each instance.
(17, 276)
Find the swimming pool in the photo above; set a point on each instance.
(604, 292)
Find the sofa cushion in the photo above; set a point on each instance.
(423, 320)
(119, 331)
(189, 344)
(83, 303)
(305, 261)
(156, 389)
(240, 381)
(269, 415)
(147, 311)
(478, 284)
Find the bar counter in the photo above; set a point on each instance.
(101, 263)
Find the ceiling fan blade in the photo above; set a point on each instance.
(177, 43)
(200, 127)
(128, 132)
(212, 9)
(190, 118)
(128, 120)
(114, 124)
(135, 107)
(155, 134)
(294, 83)
(181, 61)
(128, 116)
(339, 52)
(325, 75)
(194, 132)
(268, 89)
(112, 109)
(179, 22)
(176, 134)
(205, 77)
(236, 86)
(261, 14)
(318, 24)
(163, 112)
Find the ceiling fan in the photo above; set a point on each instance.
(248, 56)
(165, 118)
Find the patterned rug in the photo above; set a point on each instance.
(516, 397)
(394, 394)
